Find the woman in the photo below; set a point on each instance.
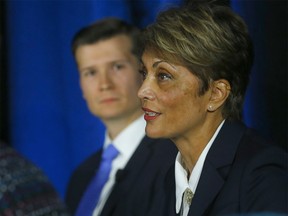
(196, 66)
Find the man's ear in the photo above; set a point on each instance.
(220, 90)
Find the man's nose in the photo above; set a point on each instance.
(105, 82)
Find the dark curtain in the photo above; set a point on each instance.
(266, 101)
(3, 79)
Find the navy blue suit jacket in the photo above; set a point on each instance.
(137, 188)
(242, 174)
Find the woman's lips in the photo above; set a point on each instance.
(150, 115)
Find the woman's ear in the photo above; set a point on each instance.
(220, 90)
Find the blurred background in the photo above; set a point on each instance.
(42, 112)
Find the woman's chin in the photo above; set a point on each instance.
(154, 133)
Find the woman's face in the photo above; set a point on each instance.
(169, 95)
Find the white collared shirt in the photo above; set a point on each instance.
(126, 143)
(182, 184)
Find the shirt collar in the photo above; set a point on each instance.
(181, 181)
(128, 140)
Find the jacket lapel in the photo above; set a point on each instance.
(128, 176)
(170, 199)
(216, 167)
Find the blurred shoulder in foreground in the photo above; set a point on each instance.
(24, 188)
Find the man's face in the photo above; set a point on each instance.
(109, 78)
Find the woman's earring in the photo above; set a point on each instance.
(210, 108)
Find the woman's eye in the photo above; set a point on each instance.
(164, 76)
(143, 73)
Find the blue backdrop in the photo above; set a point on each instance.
(49, 120)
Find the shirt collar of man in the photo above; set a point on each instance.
(128, 140)
(126, 143)
(181, 174)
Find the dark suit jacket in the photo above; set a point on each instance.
(136, 191)
(242, 174)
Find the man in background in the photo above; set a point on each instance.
(105, 54)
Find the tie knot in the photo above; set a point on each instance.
(110, 152)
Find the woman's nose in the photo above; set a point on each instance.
(146, 92)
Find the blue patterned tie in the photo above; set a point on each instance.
(90, 199)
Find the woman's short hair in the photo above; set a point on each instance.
(211, 41)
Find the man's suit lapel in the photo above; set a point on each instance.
(216, 167)
(129, 176)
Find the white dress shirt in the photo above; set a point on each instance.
(126, 143)
(182, 184)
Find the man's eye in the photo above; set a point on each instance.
(89, 73)
(117, 67)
